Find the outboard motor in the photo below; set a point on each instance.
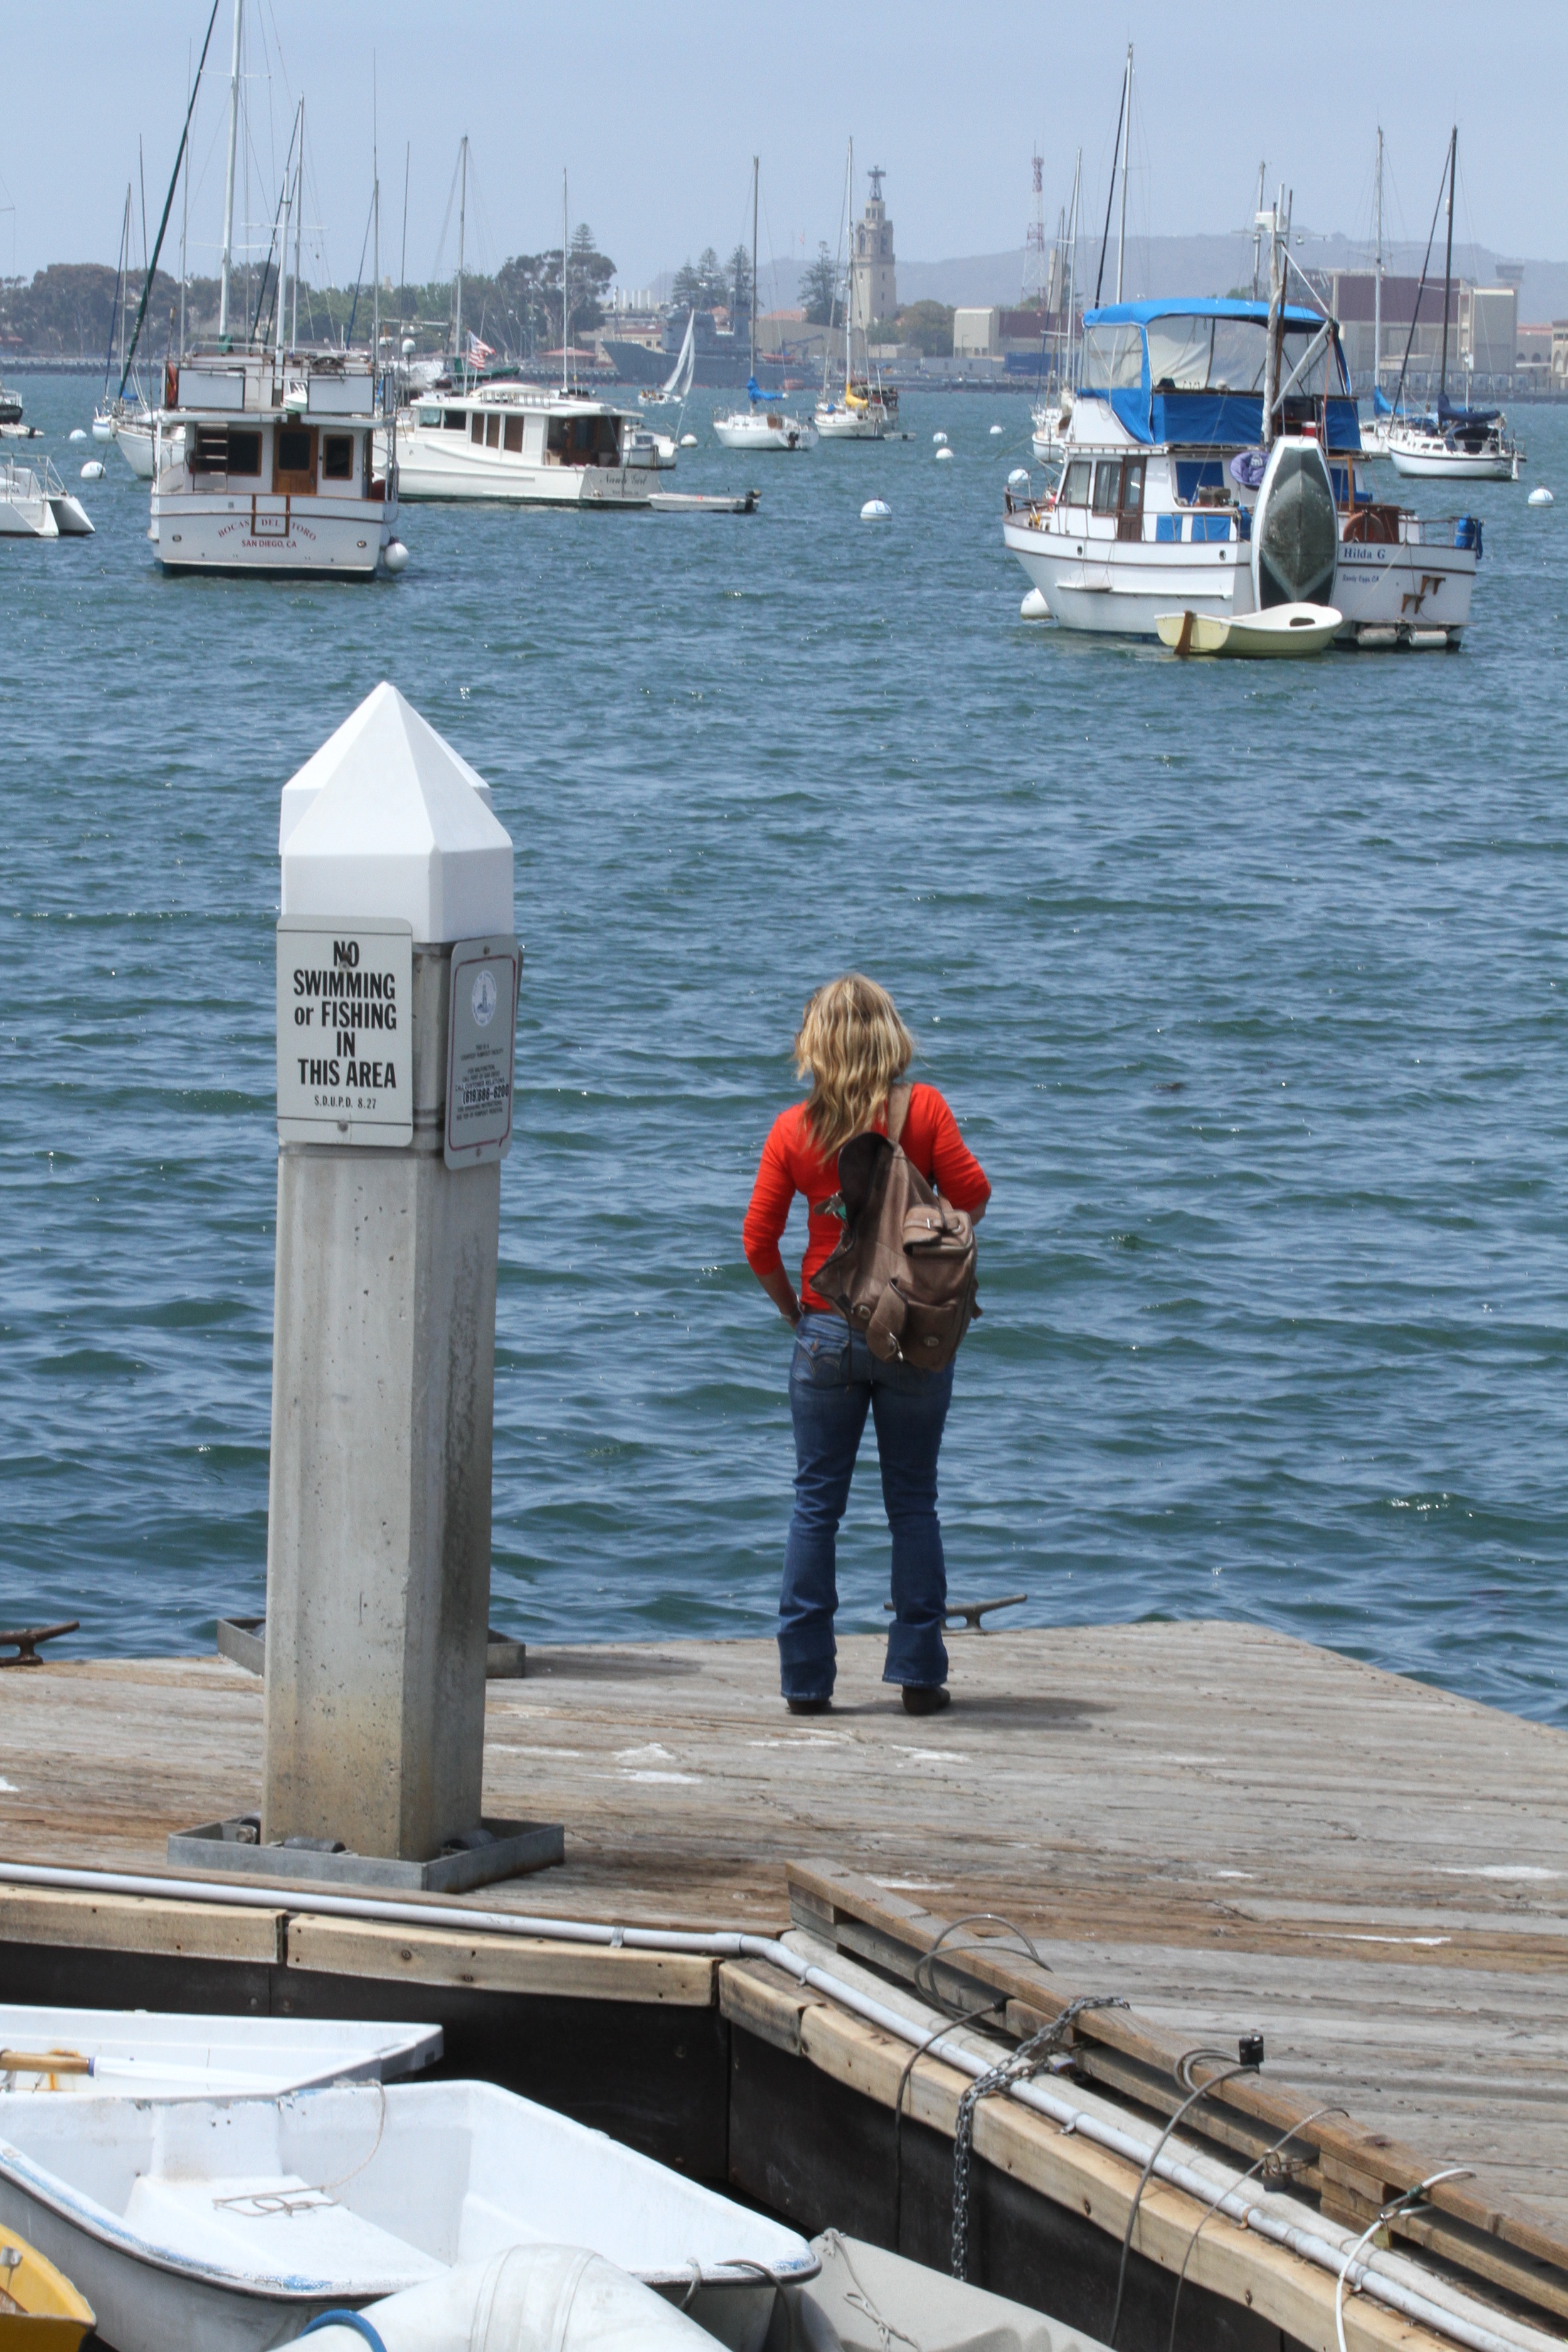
(1295, 530)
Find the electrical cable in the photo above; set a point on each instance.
(1213, 2206)
(1188, 2059)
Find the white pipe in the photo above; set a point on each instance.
(1314, 2240)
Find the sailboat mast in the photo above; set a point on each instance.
(566, 313)
(282, 271)
(1448, 267)
(185, 205)
(1070, 276)
(228, 184)
(376, 233)
(1126, 143)
(1257, 229)
(299, 231)
(849, 289)
(755, 167)
(1276, 314)
(462, 227)
(1377, 273)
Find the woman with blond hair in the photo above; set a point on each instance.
(855, 1050)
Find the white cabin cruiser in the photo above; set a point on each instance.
(268, 461)
(1166, 476)
(517, 444)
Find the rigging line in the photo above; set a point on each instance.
(168, 206)
(1212, 2207)
(1110, 194)
(403, 258)
(446, 217)
(1420, 290)
(275, 239)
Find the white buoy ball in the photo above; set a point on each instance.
(875, 510)
(995, 429)
(1018, 480)
(1540, 497)
(395, 557)
(1034, 607)
(944, 456)
(102, 429)
(689, 440)
(93, 470)
(78, 433)
(939, 438)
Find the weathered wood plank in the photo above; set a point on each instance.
(118, 1923)
(519, 1964)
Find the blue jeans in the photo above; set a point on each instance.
(834, 1378)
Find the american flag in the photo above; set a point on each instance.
(479, 352)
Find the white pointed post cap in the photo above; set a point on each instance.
(386, 819)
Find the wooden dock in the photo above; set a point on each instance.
(1230, 1828)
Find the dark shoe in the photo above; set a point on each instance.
(920, 1698)
(812, 1705)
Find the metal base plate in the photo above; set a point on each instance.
(243, 1640)
(500, 1849)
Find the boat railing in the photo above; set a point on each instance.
(1441, 530)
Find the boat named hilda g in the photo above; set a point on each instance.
(268, 461)
(516, 444)
(1166, 476)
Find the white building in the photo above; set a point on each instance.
(976, 334)
(876, 284)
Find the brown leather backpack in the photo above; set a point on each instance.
(904, 1272)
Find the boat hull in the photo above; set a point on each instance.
(1409, 586)
(1285, 633)
(199, 530)
(428, 469)
(749, 433)
(850, 425)
(1453, 464)
(1116, 589)
(226, 2226)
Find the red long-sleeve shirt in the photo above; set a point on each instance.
(794, 1162)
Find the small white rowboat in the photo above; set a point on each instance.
(1284, 631)
(196, 2225)
(139, 2054)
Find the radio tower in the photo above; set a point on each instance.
(1034, 287)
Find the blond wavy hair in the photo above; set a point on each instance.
(853, 1046)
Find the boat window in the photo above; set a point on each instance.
(1179, 353)
(1108, 485)
(514, 433)
(1317, 379)
(1132, 487)
(453, 420)
(337, 457)
(492, 432)
(212, 449)
(244, 452)
(429, 416)
(1075, 484)
(477, 427)
(1196, 476)
(1112, 359)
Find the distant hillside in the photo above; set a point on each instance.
(1212, 265)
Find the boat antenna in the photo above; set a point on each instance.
(755, 167)
(229, 184)
(1126, 159)
(1377, 276)
(1111, 192)
(1415, 312)
(1448, 269)
(462, 222)
(565, 314)
(1258, 225)
(168, 206)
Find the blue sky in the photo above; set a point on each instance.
(657, 112)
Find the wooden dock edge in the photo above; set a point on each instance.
(1277, 2286)
(1355, 2171)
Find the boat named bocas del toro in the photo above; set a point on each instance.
(521, 444)
(1168, 476)
(268, 461)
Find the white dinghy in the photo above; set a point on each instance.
(196, 2225)
(136, 2054)
(1284, 631)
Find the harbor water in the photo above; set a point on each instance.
(1248, 983)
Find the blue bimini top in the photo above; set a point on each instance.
(1189, 373)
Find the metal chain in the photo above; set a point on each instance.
(1026, 2060)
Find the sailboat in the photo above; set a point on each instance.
(128, 422)
(756, 426)
(864, 410)
(1451, 443)
(676, 386)
(1052, 417)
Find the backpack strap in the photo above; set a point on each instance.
(899, 1099)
